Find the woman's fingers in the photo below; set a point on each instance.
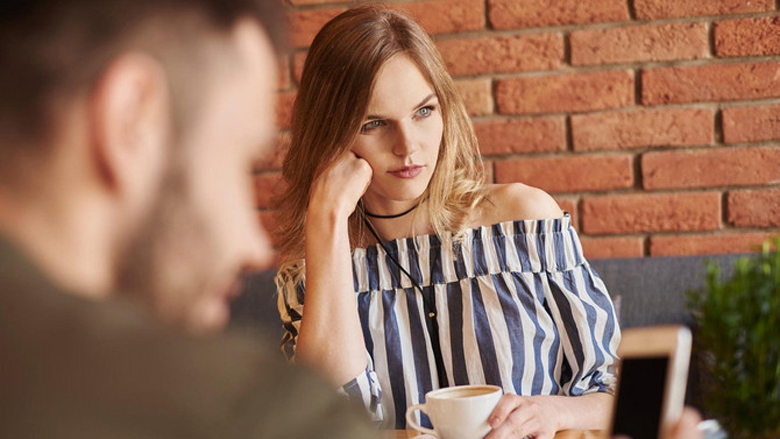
(518, 417)
(506, 405)
(364, 172)
(342, 184)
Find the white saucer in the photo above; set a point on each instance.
(424, 436)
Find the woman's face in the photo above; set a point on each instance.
(400, 137)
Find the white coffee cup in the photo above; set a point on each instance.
(459, 412)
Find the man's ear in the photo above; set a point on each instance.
(130, 125)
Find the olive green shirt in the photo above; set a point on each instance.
(75, 368)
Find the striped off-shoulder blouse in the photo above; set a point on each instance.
(517, 306)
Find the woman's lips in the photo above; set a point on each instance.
(407, 171)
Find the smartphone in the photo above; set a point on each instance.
(652, 376)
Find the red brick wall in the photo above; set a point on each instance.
(656, 123)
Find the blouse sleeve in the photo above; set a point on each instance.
(364, 389)
(585, 317)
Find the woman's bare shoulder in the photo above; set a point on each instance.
(515, 201)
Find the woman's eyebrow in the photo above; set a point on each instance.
(423, 102)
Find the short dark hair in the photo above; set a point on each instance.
(54, 47)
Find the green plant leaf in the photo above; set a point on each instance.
(738, 332)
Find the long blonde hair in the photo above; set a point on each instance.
(336, 86)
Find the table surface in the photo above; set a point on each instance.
(568, 434)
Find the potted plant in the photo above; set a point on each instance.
(738, 336)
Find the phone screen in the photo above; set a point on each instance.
(640, 397)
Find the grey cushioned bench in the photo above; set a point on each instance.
(651, 291)
(646, 291)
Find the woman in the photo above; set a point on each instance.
(417, 275)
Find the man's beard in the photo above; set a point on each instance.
(165, 263)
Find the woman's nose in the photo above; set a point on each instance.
(405, 142)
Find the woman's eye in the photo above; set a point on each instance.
(368, 126)
(425, 111)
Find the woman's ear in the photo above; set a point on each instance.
(130, 125)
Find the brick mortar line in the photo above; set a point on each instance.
(714, 105)
(632, 191)
(639, 151)
(632, 10)
(671, 191)
(707, 104)
(596, 68)
(715, 188)
(686, 62)
(723, 17)
(718, 147)
(730, 231)
(493, 94)
(495, 33)
(724, 211)
(718, 127)
(751, 103)
(488, 24)
(638, 86)
(554, 154)
(566, 36)
(508, 118)
(288, 60)
(578, 208)
(626, 235)
(636, 168)
(726, 231)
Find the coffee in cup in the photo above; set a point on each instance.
(459, 412)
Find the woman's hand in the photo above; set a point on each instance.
(520, 416)
(339, 188)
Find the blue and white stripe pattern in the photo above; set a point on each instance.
(517, 306)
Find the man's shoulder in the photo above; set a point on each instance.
(108, 367)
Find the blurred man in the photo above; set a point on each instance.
(127, 133)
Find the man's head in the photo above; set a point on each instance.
(147, 115)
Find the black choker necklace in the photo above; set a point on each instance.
(397, 215)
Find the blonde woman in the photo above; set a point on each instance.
(415, 274)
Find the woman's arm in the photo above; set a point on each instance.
(590, 351)
(331, 338)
